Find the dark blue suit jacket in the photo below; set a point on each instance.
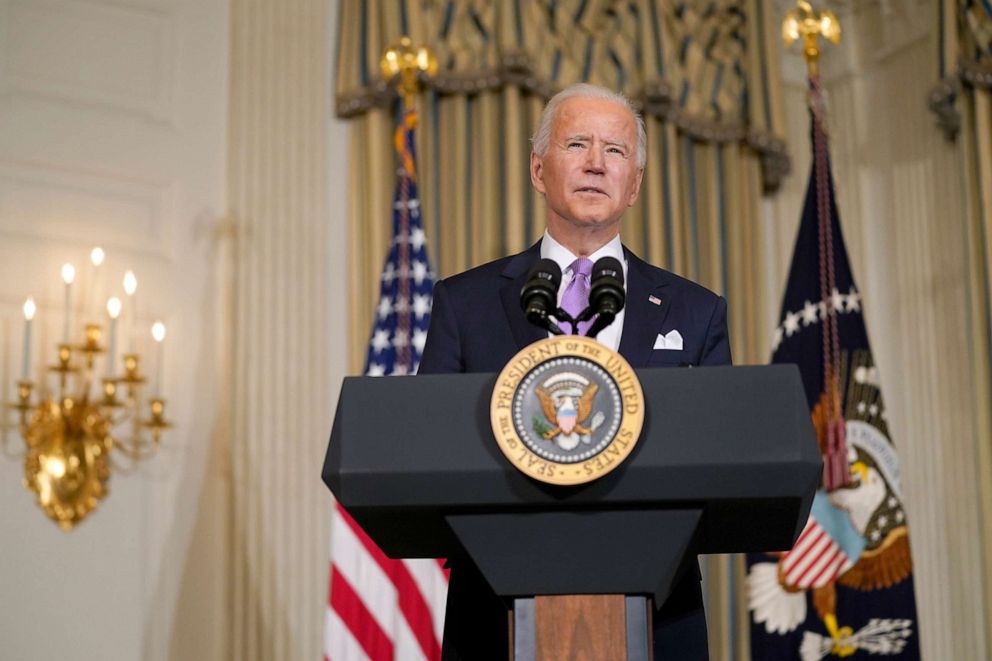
(477, 326)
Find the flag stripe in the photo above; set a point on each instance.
(339, 643)
(350, 607)
(801, 559)
(411, 602)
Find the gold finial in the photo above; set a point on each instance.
(805, 23)
(404, 60)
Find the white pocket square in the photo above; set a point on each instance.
(672, 341)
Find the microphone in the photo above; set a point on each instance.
(606, 293)
(539, 295)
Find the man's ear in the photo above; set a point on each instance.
(637, 188)
(537, 173)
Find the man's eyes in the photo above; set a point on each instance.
(576, 145)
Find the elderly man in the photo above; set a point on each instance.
(587, 161)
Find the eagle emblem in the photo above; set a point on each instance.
(567, 402)
(856, 536)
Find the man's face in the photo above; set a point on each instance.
(589, 173)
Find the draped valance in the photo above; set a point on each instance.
(965, 57)
(705, 67)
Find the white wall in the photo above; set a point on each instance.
(113, 122)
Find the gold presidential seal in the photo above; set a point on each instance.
(567, 410)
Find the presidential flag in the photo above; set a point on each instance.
(846, 588)
(379, 608)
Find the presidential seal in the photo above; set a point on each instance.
(567, 410)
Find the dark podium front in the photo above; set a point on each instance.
(727, 462)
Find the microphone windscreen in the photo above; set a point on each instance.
(541, 287)
(607, 267)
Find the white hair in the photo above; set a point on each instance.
(542, 136)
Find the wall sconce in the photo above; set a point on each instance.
(77, 420)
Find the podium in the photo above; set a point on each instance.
(727, 462)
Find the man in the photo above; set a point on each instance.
(587, 161)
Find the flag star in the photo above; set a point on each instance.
(861, 408)
(809, 313)
(421, 305)
(822, 307)
(417, 238)
(401, 339)
(419, 338)
(854, 301)
(375, 369)
(893, 502)
(777, 339)
(385, 307)
(875, 535)
(883, 521)
(402, 306)
(419, 272)
(837, 300)
(388, 273)
(900, 516)
(399, 370)
(380, 340)
(791, 324)
(873, 409)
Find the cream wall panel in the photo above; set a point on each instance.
(113, 130)
(119, 56)
(45, 203)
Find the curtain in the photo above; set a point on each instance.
(962, 102)
(700, 73)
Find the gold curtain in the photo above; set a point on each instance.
(702, 73)
(962, 101)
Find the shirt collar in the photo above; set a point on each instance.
(551, 249)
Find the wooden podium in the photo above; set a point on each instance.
(727, 462)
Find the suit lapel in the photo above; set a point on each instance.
(515, 274)
(643, 319)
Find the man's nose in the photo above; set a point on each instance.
(595, 160)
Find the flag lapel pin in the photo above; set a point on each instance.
(655, 300)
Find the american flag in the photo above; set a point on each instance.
(379, 608)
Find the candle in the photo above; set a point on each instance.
(158, 334)
(68, 275)
(29, 309)
(114, 310)
(131, 286)
(93, 293)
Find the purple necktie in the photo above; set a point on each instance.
(576, 296)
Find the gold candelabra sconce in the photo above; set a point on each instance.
(75, 422)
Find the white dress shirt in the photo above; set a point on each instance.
(551, 249)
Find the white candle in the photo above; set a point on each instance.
(29, 309)
(93, 294)
(131, 286)
(158, 334)
(68, 275)
(114, 310)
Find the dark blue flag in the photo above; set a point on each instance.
(846, 588)
(403, 312)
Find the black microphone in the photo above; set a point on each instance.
(539, 295)
(606, 293)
